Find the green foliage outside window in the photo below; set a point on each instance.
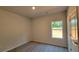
(56, 25)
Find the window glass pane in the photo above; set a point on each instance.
(74, 28)
(57, 29)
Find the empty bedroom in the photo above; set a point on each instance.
(39, 28)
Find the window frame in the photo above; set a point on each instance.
(74, 29)
(62, 30)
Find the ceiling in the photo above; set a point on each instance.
(39, 10)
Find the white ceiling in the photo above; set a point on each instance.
(39, 11)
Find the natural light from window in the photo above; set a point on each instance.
(57, 29)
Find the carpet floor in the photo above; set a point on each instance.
(38, 47)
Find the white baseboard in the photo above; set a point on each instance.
(15, 46)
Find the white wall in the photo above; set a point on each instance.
(15, 30)
(42, 29)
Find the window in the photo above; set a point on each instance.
(57, 29)
(73, 28)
